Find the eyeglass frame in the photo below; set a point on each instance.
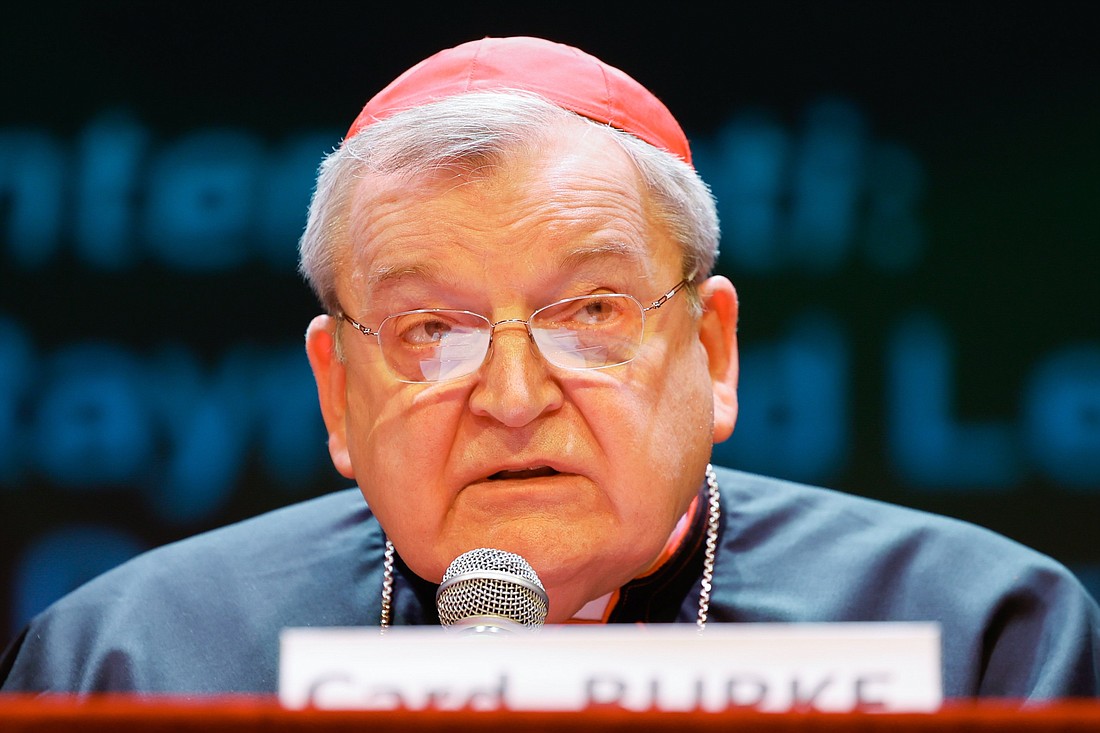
(377, 333)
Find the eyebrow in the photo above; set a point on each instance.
(615, 250)
(430, 273)
(386, 275)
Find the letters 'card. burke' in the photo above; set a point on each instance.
(889, 667)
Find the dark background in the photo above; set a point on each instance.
(997, 104)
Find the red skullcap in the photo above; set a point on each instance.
(568, 77)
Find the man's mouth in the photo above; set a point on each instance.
(524, 473)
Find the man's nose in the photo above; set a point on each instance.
(515, 385)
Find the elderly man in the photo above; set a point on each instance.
(523, 349)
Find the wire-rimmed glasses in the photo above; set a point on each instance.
(587, 332)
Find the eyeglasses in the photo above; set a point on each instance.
(588, 332)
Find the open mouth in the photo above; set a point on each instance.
(524, 473)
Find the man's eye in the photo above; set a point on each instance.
(595, 312)
(425, 332)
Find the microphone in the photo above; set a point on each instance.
(491, 591)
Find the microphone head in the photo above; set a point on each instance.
(491, 588)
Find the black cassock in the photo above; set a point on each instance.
(203, 616)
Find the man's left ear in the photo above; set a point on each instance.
(718, 334)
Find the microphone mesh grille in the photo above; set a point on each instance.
(464, 594)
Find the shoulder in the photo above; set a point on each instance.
(1014, 621)
(311, 531)
(205, 613)
(821, 520)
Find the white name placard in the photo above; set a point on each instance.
(890, 667)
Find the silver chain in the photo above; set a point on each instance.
(387, 585)
(714, 513)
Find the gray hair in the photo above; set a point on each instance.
(472, 130)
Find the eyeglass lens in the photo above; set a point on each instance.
(590, 332)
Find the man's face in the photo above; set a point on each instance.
(583, 473)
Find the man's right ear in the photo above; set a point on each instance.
(329, 373)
